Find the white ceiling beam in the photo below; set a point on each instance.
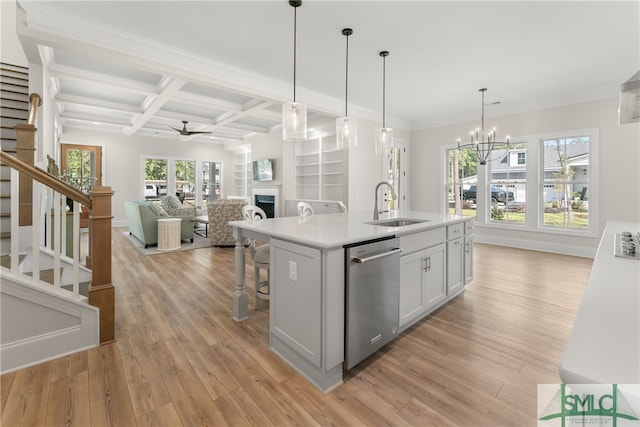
(168, 90)
(85, 101)
(125, 85)
(249, 108)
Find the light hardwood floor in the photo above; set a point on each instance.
(180, 359)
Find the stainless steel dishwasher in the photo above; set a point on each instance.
(372, 297)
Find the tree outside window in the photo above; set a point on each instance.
(566, 180)
(463, 172)
(155, 178)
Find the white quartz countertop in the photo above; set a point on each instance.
(604, 345)
(335, 230)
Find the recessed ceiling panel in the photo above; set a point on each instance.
(255, 121)
(173, 107)
(215, 93)
(96, 64)
(100, 91)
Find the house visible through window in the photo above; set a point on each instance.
(551, 178)
(508, 190)
(565, 183)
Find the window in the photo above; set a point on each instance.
(544, 183)
(155, 178)
(210, 182)
(565, 199)
(508, 185)
(192, 181)
(394, 172)
(185, 172)
(462, 180)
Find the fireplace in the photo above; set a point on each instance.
(266, 203)
(267, 198)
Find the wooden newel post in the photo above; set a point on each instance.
(25, 151)
(101, 291)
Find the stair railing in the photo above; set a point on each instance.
(55, 192)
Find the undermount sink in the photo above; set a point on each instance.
(397, 222)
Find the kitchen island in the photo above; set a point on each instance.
(604, 345)
(307, 277)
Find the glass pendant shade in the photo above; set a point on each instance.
(384, 140)
(294, 121)
(346, 132)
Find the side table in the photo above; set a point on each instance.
(169, 234)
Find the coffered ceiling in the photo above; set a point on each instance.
(141, 67)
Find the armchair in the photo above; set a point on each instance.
(142, 218)
(220, 213)
(174, 207)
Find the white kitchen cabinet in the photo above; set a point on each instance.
(422, 283)
(455, 266)
(296, 303)
(468, 252)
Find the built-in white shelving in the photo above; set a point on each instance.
(320, 170)
(241, 174)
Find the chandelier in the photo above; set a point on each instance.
(482, 146)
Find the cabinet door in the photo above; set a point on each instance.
(455, 266)
(468, 259)
(435, 275)
(295, 307)
(412, 287)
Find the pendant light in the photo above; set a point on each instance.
(346, 127)
(482, 148)
(294, 114)
(384, 135)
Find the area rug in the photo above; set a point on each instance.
(198, 242)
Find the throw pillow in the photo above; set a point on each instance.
(162, 212)
(173, 202)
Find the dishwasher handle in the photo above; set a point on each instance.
(376, 256)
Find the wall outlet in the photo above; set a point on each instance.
(293, 271)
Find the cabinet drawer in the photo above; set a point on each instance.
(455, 230)
(422, 240)
(468, 228)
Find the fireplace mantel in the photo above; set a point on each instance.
(267, 190)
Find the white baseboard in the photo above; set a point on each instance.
(533, 245)
(45, 323)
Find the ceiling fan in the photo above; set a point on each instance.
(185, 132)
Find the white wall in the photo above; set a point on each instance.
(122, 166)
(10, 50)
(365, 167)
(618, 165)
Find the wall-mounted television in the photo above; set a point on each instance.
(263, 170)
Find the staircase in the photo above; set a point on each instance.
(44, 314)
(14, 109)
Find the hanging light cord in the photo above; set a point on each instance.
(384, 55)
(482, 122)
(346, 77)
(295, 9)
(384, 89)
